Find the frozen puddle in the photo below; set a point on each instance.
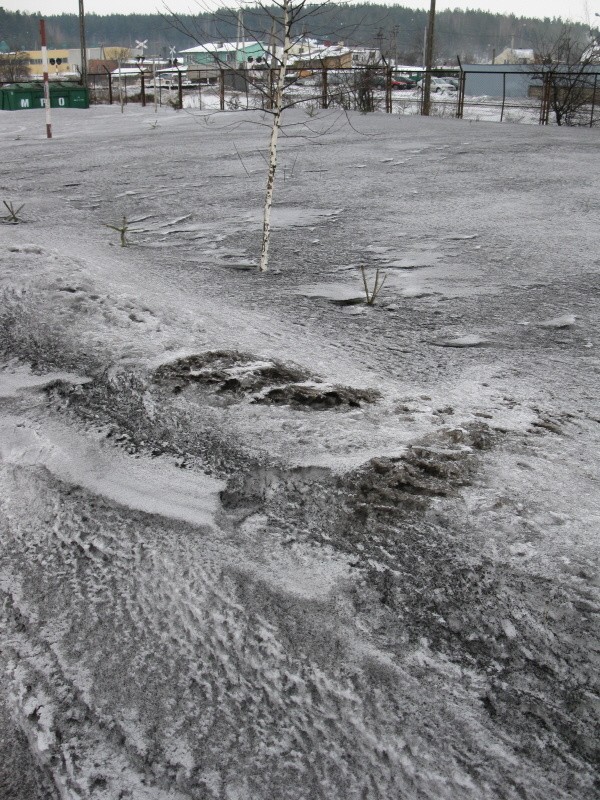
(414, 259)
(469, 340)
(340, 293)
(142, 483)
(287, 217)
(566, 321)
(14, 382)
(416, 291)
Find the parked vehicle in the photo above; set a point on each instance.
(400, 82)
(453, 81)
(438, 85)
(403, 84)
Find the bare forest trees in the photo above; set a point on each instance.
(14, 67)
(570, 79)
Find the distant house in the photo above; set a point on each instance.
(226, 54)
(101, 65)
(335, 56)
(511, 56)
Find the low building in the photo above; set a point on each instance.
(68, 61)
(511, 55)
(335, 56)
(520, 80)
(498, 80)
(232, 55)
(58, 62)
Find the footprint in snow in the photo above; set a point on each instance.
(27, 249)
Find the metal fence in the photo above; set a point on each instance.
(525, 94)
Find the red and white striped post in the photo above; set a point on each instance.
(46, 82)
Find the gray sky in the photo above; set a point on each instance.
(576, 10)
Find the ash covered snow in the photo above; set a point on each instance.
(259, 540)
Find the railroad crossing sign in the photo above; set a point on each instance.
(141, 45)
(172, 52)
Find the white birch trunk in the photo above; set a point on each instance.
(277, 111)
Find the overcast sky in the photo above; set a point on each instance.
(577, 10)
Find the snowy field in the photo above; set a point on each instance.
(259, 540)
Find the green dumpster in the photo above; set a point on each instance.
(79, 96)
(63, 94)
(15, 96)
(59, 96)
(68, 95)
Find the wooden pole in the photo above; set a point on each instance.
(83, 69)
(110, 94)
(428, 61)
(46, 82)
(388, 90)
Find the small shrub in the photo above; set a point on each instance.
(13, 213)
(122, 229)
(371, 294)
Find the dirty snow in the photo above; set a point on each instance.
(354, 553)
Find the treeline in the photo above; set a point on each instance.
(398, 31)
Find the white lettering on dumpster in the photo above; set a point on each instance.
(24, 103)
(61, 101)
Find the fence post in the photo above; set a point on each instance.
(460, 109)
(460, 105)
(143, 82)
(267, 98)
(179, 90)
(110, 95)
(388, 90)
(593, 99)
(503, 95)
(324, 91)
(222, 89)
(545, 106)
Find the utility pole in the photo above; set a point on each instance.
(428, 62)
(83, 68)
(46, 83)
(239, 36)
(379, 43)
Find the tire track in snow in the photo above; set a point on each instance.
(155, 667)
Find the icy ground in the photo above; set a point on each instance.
(259, 541)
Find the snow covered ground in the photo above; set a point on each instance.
(259, 540)
(443, 104)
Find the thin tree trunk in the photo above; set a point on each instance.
(277, 111)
